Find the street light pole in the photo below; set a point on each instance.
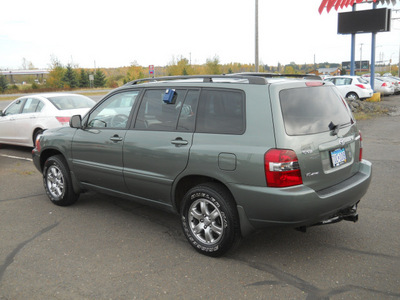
(256, 37)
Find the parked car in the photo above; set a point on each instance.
(230, 154)
(352, 87)
(393, 81)
(26, 117)
(383, 87)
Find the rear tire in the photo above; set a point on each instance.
(352, 96)
(209, 219)
(57, 181)
(35, 135)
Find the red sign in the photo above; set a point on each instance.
(344, 3)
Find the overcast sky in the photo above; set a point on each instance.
(155, 32)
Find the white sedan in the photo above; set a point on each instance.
(26, 117)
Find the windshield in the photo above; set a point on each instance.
(71, 102)
(311, 110)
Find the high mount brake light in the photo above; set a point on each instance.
(282, 168)
(314, 83)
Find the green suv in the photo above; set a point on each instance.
(229, 153)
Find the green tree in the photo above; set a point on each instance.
(3, 83)
(83, 78)
(70, 77)
(99, 78)
(213, 66)
(56, 74)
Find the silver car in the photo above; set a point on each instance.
(381, 86)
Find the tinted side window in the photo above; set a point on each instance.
(154, 114)
(221, 111)
(188, 111)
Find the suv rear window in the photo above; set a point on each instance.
(311, 110)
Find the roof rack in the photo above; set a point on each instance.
(206, 78)
(274, 75)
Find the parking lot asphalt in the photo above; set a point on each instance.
(107, 248)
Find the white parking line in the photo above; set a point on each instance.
(16, 157)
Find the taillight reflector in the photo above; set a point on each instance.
(282, 168)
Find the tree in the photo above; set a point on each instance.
(83, 78)
(99, 78)
(70, 77)
(55, 77)
(213, 66)
(3, 83)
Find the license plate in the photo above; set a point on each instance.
(338, 157)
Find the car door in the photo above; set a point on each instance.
(27, 119)
(156, 151)
(97, 146)
(8, 121)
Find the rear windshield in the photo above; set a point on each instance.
(71, 102)
(311, 110)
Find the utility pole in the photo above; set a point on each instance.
(256, 37)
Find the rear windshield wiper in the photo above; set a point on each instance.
(334, 128)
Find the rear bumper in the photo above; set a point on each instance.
(298, 206)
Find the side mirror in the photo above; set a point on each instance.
(75, 121)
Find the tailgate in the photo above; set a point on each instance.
(312, 119)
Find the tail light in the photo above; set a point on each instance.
(361, 147)
(63, 120)
(282, 168)
(361, 86)
(384, 84)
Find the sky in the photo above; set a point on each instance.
(118, 33)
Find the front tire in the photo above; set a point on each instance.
(57, 181)
(209, 219)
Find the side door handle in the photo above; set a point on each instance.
(116, 138)
(179, 142)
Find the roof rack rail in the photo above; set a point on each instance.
(206, 78)
(272, 75)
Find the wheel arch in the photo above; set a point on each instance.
(45, 154)
(190, 181)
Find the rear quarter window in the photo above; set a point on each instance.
(221, 111)
(310, 110)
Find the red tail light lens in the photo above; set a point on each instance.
(361, 86)
(361, 147)
(384, 84)
(282, 168)
(63, 120)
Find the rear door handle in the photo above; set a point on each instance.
(179, 142)
(116, 138)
